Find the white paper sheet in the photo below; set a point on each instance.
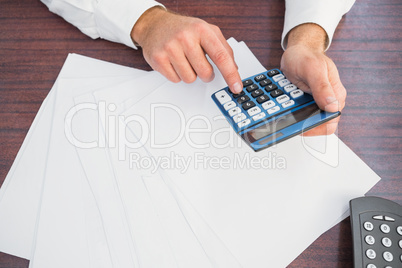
(62, 229)
(222, 214)
(20, 193)
(88, 124)
(234, 188)
(180, 237)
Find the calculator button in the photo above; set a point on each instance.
(254, 111)
(251, 87)
(276, 93)
(239, 117)
(260, 77)
(243, 99)
(262, 99)
(399, 230)
(368, 226)
(388, 256)
(238, 95)
(282, 98)
(265, 82)
(244, 123)
(278, 77)
(229, 105)
(370, 253)
(296, 93)
(272, 73)
(388, 218)
(234, 111)
(259, 116)
(288, 104)
(247, 82)
(284, 82)
(386, 242)
(289, 88)
(248, 105)
(369, 239)
(268, 104)
(273, 110)
(370, 265)
(222, 96)
(257, 93)
(270, 87)
(385, 228)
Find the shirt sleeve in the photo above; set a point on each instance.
(326, 13)
(108, 19)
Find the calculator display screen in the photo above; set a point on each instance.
(281, 122)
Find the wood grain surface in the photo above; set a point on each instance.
(367, 50)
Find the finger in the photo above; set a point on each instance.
(224, 42)
(169, 72)
(325, 129)
(200, 64)
(161, 63)
(339, 89)
(223, 60)
(322, 90)
(182, 67)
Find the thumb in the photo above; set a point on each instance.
(323, 94)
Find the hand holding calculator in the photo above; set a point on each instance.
(269, 110)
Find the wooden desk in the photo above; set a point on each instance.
(366, 48)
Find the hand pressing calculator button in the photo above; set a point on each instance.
(269, 110)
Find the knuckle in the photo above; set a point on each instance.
(324, 86)
(187, 41)
(168, 47)
(215, 28)
(182, 36)
(158, 58)
(221, 57)
(200, 26)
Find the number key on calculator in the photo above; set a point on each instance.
(270, 109)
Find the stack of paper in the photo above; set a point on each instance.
(122, 168)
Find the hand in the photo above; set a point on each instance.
(176, 45)
(305, 64)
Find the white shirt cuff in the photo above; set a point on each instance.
(115, 19)
(326, 13)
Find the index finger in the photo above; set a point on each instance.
(223, 59)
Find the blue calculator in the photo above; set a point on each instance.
(269, 110)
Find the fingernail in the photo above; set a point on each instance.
(237, 88)
(332, 104)
(331, 100)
